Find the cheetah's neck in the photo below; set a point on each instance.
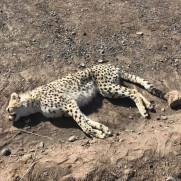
(31, 103)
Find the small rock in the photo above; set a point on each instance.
(171, 121)
(82, 65)
(48, 55)
(123, 42)
(85, 143)
(93, 141)
(163, 109)
(139, 33)
(42, 151)
(5, 152)
(170, 179)
(73, 33)
(20, 149)
(161, 61)
(121, 140)
(84, 34)
(164, 117)
(32, 150)
(164, 47)
(45, 173)
(101, 52)
(130, 117)
(129, 173)
(41, 145)
(100, 61)
(174, 98)
(53, 13)
(72, 139)
(25, 158)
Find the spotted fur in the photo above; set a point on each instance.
(66, 95)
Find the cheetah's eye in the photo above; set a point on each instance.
(14, 96)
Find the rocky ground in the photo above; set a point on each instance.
(43, 40)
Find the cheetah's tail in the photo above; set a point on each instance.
(148, 86)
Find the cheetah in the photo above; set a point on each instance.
(68, 94)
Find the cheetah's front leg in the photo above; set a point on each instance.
(88, 126)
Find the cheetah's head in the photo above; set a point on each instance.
(16, 107)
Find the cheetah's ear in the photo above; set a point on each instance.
(14, 96)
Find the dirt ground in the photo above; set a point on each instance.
(42, 40)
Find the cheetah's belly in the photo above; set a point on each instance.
(51, 112)
(85, 95)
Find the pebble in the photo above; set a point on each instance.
(27, 157)
(85, 143)
(129, 172)
(20, 149)
(5, 152)
(32, 150)
(163, 109)
(101, 52)
(121, 140)
(73, 33)
(171, 121)
(100, 61)
(139, 33)
(53, 13)
(170, 179)
(82, 65)
(84, 34)
(123, 43)
(41, 145)
(48, 55)
(164, 117)
(174, 98)
(72, 139)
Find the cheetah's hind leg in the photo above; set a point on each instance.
(88, 126)
(116, 91)
(147, 103)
